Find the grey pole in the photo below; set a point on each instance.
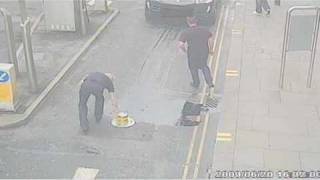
(284, 48)
(314, 48)
(23, 11)
(26, 27)
(10, 38)
(83, 18)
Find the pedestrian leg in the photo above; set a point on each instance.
(207, 75)
(258, 6)
(265, 6)
(195, 76)
(99, 105)
(83, 109)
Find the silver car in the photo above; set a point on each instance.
(204, 10)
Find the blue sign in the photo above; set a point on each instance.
(4, 77)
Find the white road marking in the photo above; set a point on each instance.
(85, 174)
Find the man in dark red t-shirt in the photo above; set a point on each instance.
(198, 40)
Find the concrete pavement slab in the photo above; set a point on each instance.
(285, 142)
(245, 122)
(263, 96)
(255, 108)
(293, 111)
(313, 128)
(280, 124)
(249, 159)
(310, 161)
(280, 160)
(252, 139)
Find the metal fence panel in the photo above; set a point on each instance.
(60, 15)
(301, 32)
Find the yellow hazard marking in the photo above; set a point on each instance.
(232, 71)
(224, 139)
(85, 174)
(224, 135)
(232, 75)
(236, 31)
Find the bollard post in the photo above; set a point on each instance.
(23, 11)
(32, 77)
(83, 17)
(313, 50)
(10, 38)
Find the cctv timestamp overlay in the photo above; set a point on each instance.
(256, 174)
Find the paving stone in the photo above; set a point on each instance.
(228, 125)
(285, 142)
(248, 159)
(251, 139)
(280, 125)
(232, 84)
(223, 161)
(300, 98)
(293, 111)
(245, 122)
(310, 161)
(255, 108)
(281, 160)
(263, 97)
(313, 127)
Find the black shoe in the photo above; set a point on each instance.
(194, 85)
(268, 12)
(211, 86)
(85, 131)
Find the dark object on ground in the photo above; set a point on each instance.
(191, 109)
(185, 121)
(277, 2)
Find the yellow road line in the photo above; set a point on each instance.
(196, 170)
(195, 130)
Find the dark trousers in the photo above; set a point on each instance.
(194, 70)
(262, 4)
(84, 94)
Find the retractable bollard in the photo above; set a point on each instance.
(10, 38)
(32, 76)
(7, 87)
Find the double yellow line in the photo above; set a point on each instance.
(192, 148)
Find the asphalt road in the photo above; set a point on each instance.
(152, 83)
